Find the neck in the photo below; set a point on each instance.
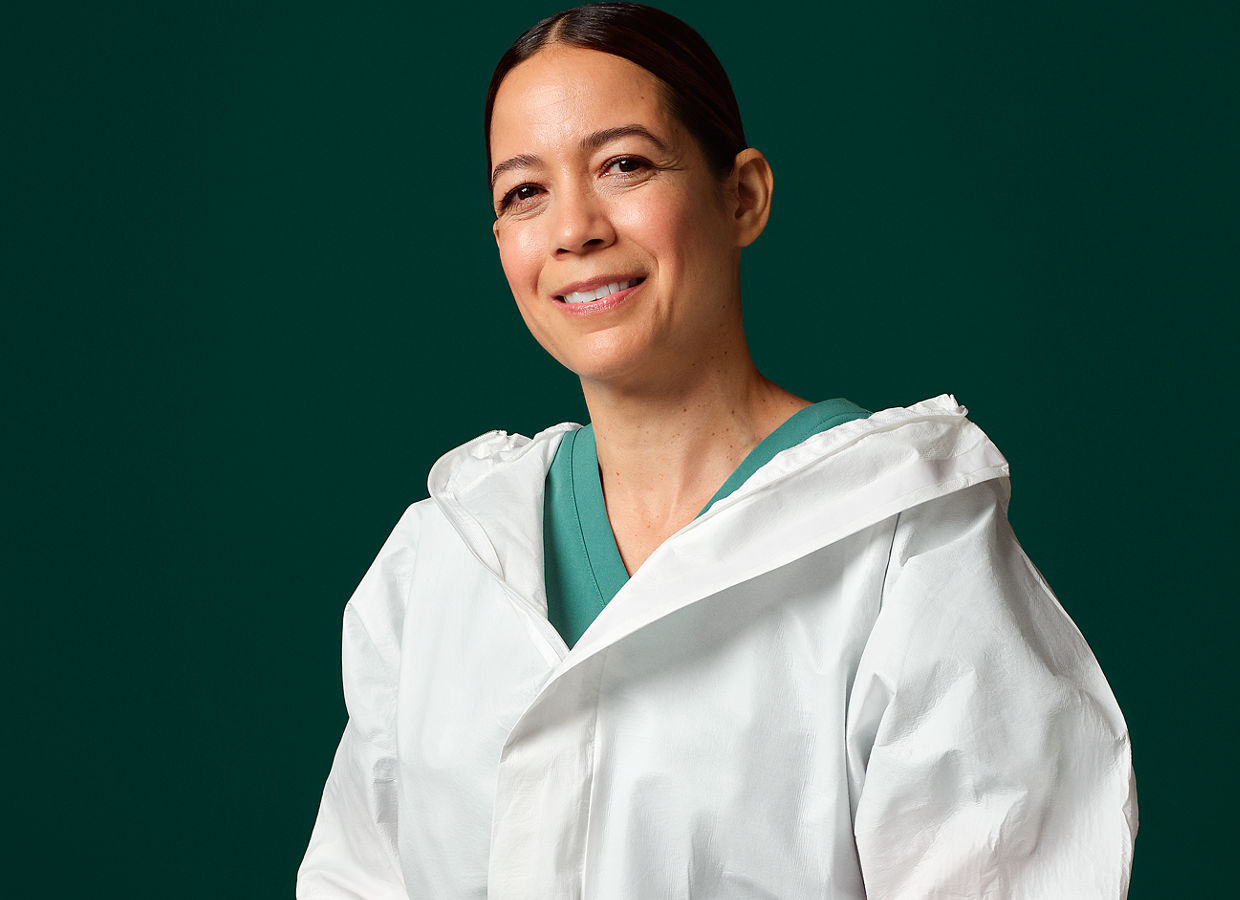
(664, 451)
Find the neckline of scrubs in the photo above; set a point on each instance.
(582, 566)
(800, 426)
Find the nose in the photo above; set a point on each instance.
(581, 222)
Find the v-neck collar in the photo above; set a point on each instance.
(583, 566)
(600, 543)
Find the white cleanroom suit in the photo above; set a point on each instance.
(844, 680)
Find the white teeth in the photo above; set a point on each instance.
(599, 293)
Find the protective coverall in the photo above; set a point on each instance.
(844, 680)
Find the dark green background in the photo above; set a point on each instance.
(250, 295)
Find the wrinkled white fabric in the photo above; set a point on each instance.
(844, 680)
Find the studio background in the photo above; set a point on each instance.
(251, 294)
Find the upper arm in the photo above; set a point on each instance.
(353, 848)
(988, 753)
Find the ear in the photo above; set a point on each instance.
(495, 231)
(753, 183)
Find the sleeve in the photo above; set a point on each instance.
(353, 848)
(987, 755)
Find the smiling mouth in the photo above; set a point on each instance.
(599, 293)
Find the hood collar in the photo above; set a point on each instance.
(832, 485)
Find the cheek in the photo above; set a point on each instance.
(667, 226)
(520, 258)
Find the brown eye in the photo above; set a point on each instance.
(625, 165)
(519, 194)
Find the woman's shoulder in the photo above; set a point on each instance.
(495, 455)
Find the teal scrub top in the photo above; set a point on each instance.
(581, 562)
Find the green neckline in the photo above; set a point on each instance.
(582, 565)
(602, 552)
(800, 426)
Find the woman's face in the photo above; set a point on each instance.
(612, 230)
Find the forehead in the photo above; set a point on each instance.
(562, 93)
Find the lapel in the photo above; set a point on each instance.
(491, 492)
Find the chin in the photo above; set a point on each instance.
(621, 373)
(596, 357)
(602, 371)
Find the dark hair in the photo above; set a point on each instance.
(696, 87)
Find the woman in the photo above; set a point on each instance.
(722, 642)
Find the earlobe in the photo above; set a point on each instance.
(754, 186)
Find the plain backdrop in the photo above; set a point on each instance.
(250, 294)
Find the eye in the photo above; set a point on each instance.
(522, 193)
(625, 165)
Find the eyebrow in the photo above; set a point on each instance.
(589, 144)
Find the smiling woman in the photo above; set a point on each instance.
(605, 189)
(722, 641)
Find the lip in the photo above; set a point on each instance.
(597, 307)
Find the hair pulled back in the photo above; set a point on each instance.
(696, 87)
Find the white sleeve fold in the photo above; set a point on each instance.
(353, 850)
(987, 755)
